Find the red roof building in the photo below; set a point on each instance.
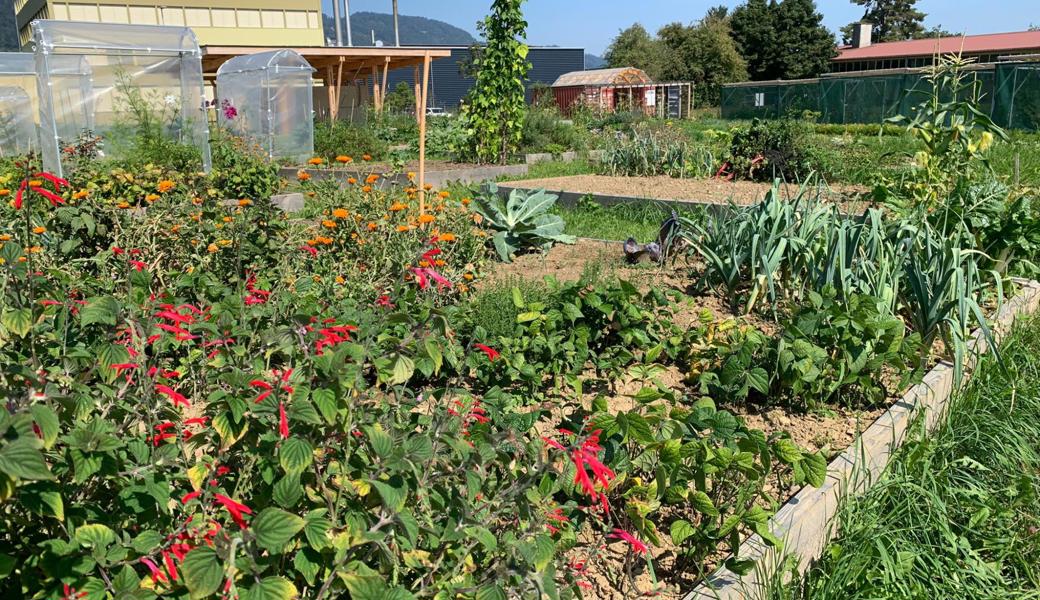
(920, 53)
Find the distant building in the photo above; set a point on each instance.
(448, 84)
(624, 88)
(8, 29)
(862, 55)
(276, 23)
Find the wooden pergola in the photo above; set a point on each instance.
(336, 65)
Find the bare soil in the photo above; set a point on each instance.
(608, 568)
(662, 187)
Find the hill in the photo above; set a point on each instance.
(594, 62)
(415, 31)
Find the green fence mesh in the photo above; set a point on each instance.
(1010, 91)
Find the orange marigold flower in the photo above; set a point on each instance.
(428, 187)
(328, 224)
(212, 248)
(152, 197)
(81, 194)
(325, 240)
(366, 189)
(4, 192)
(315, 161)
(398, 206)
(35, 183)
(340, 279)
(229, 219)
(465, 201)
(427, 219)
(402, 228)
(196, 201)
(35, 249)
(245, 202)
(440, 262)
(444, 193)
(372, 226)
(175, 229)
(468, 276)
(463, 288)
(447, 237)
(366, 157)
(351, 180)
(477, 218)
(165, 185)
(303, 175)
(39, 229)
(340, 213)
(123, 205)
(374, 177)
(224, 243)
(343, 158)
(424, 264)
(5, 237)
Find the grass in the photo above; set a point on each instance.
(554, 168)
(641, 221)
(957, 515)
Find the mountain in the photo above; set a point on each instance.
(415, 31)
(594, 62)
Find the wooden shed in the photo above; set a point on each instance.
(625, 89)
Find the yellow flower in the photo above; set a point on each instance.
(152, 197)
(427, 219)
(328, 224)
(212, 248)
(245, 202)
(343, 158)
(224, 243)
(986, 141)
(411, 175)
(340, 213)
(229, 219)
(444, 194)
(428, 187)
(397, 206)
(165, 185)
(39, 229)
(315, 161)
(468, 276)
(447, 237)
(340, 280)
(81, 194)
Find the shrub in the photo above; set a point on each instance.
(522, 222)
(545, 131)
(240, 171)
(343, 137)
(784, 148)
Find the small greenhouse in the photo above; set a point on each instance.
(144, 81)
(267, 98)
(19, 97)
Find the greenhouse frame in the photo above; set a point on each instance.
(18, 115)
(268, 99)
(143, 80)
(1009, 91)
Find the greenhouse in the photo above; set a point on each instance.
(145, 83)
(17, 113)
(267, 98)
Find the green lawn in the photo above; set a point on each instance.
(640, 221)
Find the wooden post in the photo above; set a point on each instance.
(422, 132)
(330, 85)
(377, 102)
(339, 83)
(418, 92)
(386, 68)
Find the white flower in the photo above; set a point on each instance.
(171, 99)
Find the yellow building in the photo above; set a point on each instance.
(278, 23)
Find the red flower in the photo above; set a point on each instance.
(492, 354)
(312, 251)
(157, 575)
(137, 265)
(196, 421)
(170, 568)
(637, 546)
(174, 397)
(283, 421)
(120, 367)
(190, 496)
(234, 508)
(50, 303)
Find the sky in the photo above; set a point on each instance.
(592, 24)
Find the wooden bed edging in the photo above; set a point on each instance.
(805, 521)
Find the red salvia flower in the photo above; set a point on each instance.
(190, 496)
(491, 353)
(637, 546)
(283, 421)
(138, 265)
(157, 575)
(235, 509)
(174, 396)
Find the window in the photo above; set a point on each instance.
(81, 12)
(172, 16)
(296, 19)
(143, 15)
(223, 17)
(114, 14)
(61, 11)
(274, 19)
(312, 20)
(197, 17)
(248, 18)
(760, 99)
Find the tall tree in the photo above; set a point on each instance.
(494, 109)
(704, 53)
(893, 20)
(805, 46)
(755, 33)
(634, 47)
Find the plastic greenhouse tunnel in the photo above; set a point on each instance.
(267, 99)
(17, 104)
(144, 80)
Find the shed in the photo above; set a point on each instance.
(267, 98)
(624, 88)
(132, 70)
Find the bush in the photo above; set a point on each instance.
(446, 137)
(343, 137)
(784, 148)
(240, 171)
(545, 131)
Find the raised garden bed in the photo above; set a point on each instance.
(438, 174)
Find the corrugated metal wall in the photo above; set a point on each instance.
(448, 87)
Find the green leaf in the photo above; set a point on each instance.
(201, 571)
(433, 350)
(44, 499)
(47, 421)
(100, 309)
(17, 320)
(703, 504)
(382, 443)
(325, 400)
(491, 591)
(295, 455)
(815, 467)
(274, 528)
(393, 496)
(23, 460)
(7, 563)
(680, 531)
(271, 588)
(95, 536)
(288, 491)
(316, 528)
(788, 451)
(518, 298)
(484, 536)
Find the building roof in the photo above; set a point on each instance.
(353, 61)
(992, 43)
(619, 76)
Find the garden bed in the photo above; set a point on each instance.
(438, 173)
(614, 189)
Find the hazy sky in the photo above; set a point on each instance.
(591, 24)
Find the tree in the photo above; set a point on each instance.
(893, 20)
(494, 108)
(704, 53)
(805, 46)
(634, 47)
(401, 98)
(755, 33)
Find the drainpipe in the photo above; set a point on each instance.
(346, 14)
(336, 18)
(397, 34)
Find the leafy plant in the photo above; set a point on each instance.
(522, 221)
(783, 148)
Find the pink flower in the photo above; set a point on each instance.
(637, 546)
(157, 575)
